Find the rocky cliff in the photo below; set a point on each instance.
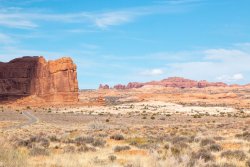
(54, 81)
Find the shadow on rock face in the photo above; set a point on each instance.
(54, 81)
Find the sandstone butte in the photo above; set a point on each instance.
(52, 81)
(104, 86)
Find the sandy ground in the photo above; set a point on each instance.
(152, 107)
(161, 127)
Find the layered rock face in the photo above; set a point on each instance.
(176, 82)
(54, 81)
(120, 86)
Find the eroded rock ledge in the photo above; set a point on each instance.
(53, 81)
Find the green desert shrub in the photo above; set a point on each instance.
(53, 138)
(176, 151)
(237, 154)
(215, 147)
(69, 149)
(203, 154)
(117, 137)
(248, 163)
(166, 146)
(205, 142)
(244, 136)
(99, 143)
(112, 158)
(179, 139)
(121, 148)
(37, 151)
(82, 140)
(44, 142)
(228, 165)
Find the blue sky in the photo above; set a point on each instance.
(118, 41)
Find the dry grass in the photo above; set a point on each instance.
(11, 157)
(85, 139)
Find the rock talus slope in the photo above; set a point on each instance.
(54, 81)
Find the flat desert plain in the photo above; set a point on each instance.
(146, 127)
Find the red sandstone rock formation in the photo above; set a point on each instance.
(175, 82)
(203, 84)
(120, 86)
(130, 85)
(247, 85)
(134, 85)
(104, 86)
(236, 85)
(54, 81)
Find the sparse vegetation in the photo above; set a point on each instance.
(205, 142)
(203, 154)
(237, 154)
(112, 158)
(215, 148)
(134, 135)
(248, 163)
(11, 157)
(37, 151)
(117, 137)
(99, 143)
(121, 148)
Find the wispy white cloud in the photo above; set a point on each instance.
(153, 72)
(233, 78)
(80, 31)
(113, 18)
(246, 44)
(19, 18)
(15, 18)
(5, 39)
(177, 2)
(30, 20)
(224, 54)
(243, 46)
(117, 17)
(228, 65)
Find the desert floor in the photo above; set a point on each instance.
(126, 133)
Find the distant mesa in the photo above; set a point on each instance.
(53, 81)
(120, 86)
(104, 86)
(175, 82)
